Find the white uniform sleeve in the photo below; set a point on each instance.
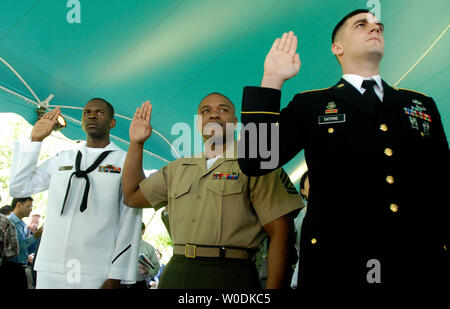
(26, 178)
(125, 257)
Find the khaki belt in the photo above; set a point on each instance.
(193, 251)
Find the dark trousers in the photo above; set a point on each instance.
(140, 285)
(13, 276)
(209, 273)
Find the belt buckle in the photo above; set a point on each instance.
(194, 248)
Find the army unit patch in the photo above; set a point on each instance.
(232, 176)
(331, 108)
(109, 169)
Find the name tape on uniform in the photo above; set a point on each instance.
(338, 118)
(65, 168)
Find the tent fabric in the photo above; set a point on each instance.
(174, 52)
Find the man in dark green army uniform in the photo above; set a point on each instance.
(378, 164)
(217, 215)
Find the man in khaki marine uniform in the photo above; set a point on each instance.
(218, 216)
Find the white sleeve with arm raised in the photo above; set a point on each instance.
(26, 177)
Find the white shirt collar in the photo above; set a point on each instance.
(357, 80)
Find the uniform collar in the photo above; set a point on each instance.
(200, 159)
(111, 146)
(346, 92)
(357, 80)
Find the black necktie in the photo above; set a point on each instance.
(373, 101)
(83, 174)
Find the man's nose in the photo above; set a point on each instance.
(374, 28)
(214, 115)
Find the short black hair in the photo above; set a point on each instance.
(5, 210)
(19, 200)
(219, 94)
(343, 20)
(302, 185)
(109, 107)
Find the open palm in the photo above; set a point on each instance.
(44, 126)
(140, 128)
(282, 59)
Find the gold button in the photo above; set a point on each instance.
(421, 133)
(388, 152)
(394, 207)
(445, 247)
(390, 179)
(314, 241)
(383, 127)
(330, 130)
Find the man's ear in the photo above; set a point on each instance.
(337, 49)
(112, 124)
(199, 124)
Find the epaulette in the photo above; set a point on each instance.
(395, 88)
(261, 112)
(315, 90)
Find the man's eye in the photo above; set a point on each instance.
(359, 25)
(204, 111)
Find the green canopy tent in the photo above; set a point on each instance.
(174, 52)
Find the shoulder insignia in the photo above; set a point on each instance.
(412, 91)
(287, 183)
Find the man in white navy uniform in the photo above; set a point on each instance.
(90, 238)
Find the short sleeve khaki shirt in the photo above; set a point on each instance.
(220, 206)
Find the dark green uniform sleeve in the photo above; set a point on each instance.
(281, 134)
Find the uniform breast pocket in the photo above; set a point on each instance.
(180, 204)
(226, 201)
(416, 128)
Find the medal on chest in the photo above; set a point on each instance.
(418, 119)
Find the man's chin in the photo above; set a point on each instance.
(94, 134)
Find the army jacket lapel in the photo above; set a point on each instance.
(391, 100)
(348, 94)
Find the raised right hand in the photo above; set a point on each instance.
(282, 62)
(44, 126)
(140, 128)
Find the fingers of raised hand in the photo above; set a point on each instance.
(283, 40)
(53, 114)
(143, 112)
(276, 43)
(287, 43)
(148, 114)
(293, 48)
